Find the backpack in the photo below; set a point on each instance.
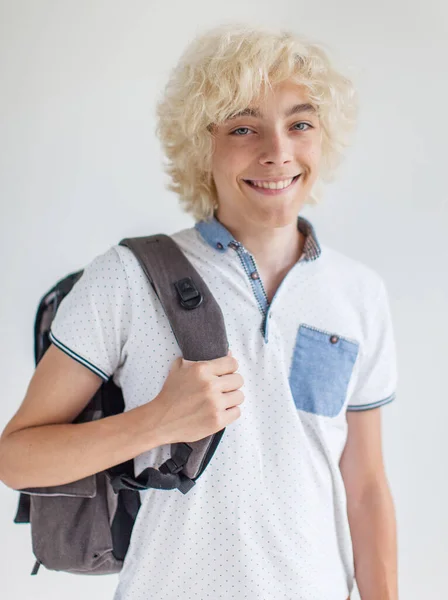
(85, 526)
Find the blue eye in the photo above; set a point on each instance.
(302, 123)
(239, 129)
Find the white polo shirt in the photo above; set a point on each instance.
(267, 519)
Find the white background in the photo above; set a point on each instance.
(81, 169)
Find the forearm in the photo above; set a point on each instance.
(373, 530)
(56, 454)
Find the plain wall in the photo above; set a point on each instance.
(80, 169)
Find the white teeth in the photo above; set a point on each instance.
(273, 185)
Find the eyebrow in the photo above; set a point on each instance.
(294, 110)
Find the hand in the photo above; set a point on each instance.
(198, 399)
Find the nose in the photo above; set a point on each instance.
(276, 149)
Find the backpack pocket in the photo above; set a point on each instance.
(70, 527)
(321, 367)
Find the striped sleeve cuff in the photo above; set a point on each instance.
(355, 407)
(79, 358)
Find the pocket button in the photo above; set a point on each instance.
(334, 339)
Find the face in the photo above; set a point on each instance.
(268, 143)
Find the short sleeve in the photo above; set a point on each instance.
(93, 320)
(376, 381)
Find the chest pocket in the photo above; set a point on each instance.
(321, 368)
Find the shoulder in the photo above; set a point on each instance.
(124, 256)
(186, 239)
(105, 267)
(350, 279)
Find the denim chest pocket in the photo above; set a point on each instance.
(322, 365)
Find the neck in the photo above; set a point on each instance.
(275, 249)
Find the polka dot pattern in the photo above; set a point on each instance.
(267, 518)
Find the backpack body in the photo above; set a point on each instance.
(85, 526)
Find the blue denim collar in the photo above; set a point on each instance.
(219, 237)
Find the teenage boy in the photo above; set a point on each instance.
(295, 502)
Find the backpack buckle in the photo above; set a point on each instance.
(190, 297)
(176, 463)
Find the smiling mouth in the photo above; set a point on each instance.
(266, 186)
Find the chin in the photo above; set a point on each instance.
(279, 218)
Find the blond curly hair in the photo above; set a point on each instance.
(221, 72)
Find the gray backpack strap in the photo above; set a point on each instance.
(194, 314)
(198, 325)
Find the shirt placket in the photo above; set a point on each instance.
(251, 270)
